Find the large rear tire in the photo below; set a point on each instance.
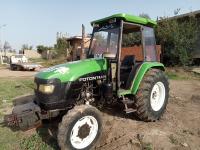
(80, 128)
(152, 96)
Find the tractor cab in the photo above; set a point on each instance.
(126, 42)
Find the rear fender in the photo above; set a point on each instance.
(141, 72)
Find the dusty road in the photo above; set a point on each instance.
(6, 73)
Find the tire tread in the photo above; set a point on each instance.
(142, 95)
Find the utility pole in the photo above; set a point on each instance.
(1, 43)
(83, 43)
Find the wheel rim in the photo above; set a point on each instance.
(157, 96)
(84, 132)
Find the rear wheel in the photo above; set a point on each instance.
(19, 68)
(12, 67)
(80, 128)
(152, 95)
(32, 69)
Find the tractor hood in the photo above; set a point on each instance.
(71, 71)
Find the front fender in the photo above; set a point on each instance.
(141, 72)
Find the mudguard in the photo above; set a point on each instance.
(139, 76)
(142, 71)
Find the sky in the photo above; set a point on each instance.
(36, 22)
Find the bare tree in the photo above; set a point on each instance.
(144, 15)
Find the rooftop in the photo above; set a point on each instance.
(193, 13)
(77, 38)
(127, 18)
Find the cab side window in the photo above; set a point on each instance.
(149, 44)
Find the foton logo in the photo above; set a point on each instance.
(92, 78)
(61, 70)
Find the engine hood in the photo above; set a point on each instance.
(71, 71)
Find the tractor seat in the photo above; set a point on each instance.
(128, 62)
(126, 66)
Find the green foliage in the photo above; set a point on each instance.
(131, 39)
(100, 38)
(147, 146)
(54, 62)
(62, 47)
(178, 38)
(26, 47)
(9, 140)
(172, 75)
(144, 15)
(180, 73)
(42, 48)
(34, 142)
(10, 88)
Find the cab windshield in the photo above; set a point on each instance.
(105, 39)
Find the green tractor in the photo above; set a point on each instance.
(121, 66)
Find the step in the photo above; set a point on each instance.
(127, 101)
(122, 92)
(130, 110)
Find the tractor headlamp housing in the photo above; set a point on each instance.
(46, 88)
(50, 93)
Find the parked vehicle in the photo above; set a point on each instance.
(112, 73)
(20, 62)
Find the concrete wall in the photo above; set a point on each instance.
(4, 57)
(32, 54)
(7, 54)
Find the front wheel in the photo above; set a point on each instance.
(80, 128)
(152, 95)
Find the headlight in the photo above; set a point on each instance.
(46, 88)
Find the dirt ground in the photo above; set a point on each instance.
(6, 72)
(179, 128)
(196, 69)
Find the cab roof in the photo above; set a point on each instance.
(127, 18)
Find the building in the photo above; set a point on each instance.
(4, 57)
(76, 42)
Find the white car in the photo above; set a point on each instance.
(20, 62)
(19, 58)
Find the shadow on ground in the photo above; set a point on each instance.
(48, 130)
(48, 133)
